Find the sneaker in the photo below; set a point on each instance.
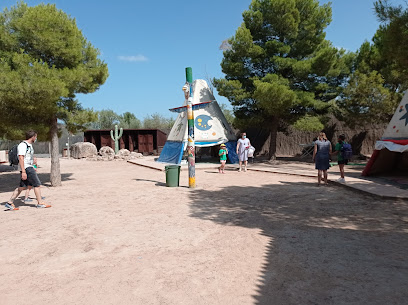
(341, 180)
(42, 206)
(240, 170)
(27, 200)
(244, 169)
(10, 207)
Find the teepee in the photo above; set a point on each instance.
(210, 127)
(391, 152)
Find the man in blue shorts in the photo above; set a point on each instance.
(29, 176)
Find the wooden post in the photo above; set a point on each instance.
(68, 150)
(190, 120)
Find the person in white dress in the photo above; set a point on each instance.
(242, 151)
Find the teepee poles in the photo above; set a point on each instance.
(190, 142)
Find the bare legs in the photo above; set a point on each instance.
(37, 192)
(15, 194)
(245, 165)
(341, 167)
(319, 176)
(27, 192)
(222, 167)
(325, 176)
(18, 190)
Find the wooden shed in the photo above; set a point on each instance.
(145, 141)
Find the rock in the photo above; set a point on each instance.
(123, 153)
(83, 150)
(106, 151)
(135, 155)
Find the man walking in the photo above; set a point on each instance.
(29, 176)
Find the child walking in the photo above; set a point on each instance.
(223, 158)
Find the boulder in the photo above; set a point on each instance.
(106, 151)
(83, 150)
(135, 155)
(123, 153)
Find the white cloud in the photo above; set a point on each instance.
(133, 58)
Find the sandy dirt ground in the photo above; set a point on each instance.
(117, 235)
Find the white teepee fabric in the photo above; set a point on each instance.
(398, 127)
(210, 126)
(391, 153)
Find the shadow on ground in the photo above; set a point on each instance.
(11, 179)
(327, 245)
(157, 183)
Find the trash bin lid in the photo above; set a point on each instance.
(171, 166)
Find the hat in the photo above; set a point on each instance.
(222, 145)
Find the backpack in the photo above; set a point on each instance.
(346, 151)
(13, 154)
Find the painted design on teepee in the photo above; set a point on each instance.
(405, 116)
(397, 129)
(210, 124)
(202, 122)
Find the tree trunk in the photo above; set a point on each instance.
(273, 137)
(55, 175)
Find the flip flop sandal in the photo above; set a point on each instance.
(10, 207)
(42, 206)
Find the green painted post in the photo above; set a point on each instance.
(116, 137)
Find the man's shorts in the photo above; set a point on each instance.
(32, 178)
(345, 162)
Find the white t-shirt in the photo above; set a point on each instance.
(25, 149)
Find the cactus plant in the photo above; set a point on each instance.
(116, 137)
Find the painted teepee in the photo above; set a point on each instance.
(391, 152)
(210, 127)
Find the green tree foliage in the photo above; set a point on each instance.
(129, 121)
(381, 71)
(366, 100)
(279, 67)
(158, 121)
(45, 61)
(393, 33)
(107, 119)
(309, 123)
(75, 117)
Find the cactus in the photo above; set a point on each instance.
(116, 137)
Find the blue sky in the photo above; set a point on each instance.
(148, 44)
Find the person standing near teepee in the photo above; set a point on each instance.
(242, 151)
(344, 153)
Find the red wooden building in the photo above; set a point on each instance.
(147, 141)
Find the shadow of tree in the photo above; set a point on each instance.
(11, 179)
(322, 250)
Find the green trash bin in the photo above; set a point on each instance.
(172, 175)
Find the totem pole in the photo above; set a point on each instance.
(188, 94)
(190, 120)
(116, 137)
